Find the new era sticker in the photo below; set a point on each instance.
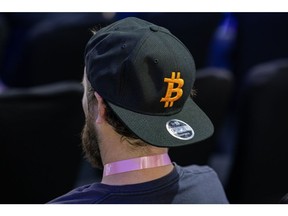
(179, 129)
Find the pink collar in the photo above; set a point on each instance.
(136, 164)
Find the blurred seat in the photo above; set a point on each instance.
(51, 50)
(40, 141)
(284, 199)
(214, 87)
(262, 37)
(259, 170)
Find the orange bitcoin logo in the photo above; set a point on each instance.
(169, 99)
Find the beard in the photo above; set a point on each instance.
(90, 144)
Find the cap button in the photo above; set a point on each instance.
(154, 28)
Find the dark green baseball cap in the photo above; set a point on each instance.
(146, 75)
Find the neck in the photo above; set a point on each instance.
(114, 149)
(137, 170)
(134, 164)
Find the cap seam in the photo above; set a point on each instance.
(135, 50)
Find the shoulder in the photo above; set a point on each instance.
(87, 194)
(202, 184)
(203, 175)
(195, 170)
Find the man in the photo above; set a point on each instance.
(137, 81)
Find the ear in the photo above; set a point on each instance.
(100, 109)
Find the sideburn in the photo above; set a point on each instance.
(90, 144)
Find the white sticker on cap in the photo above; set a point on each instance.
(179, 129)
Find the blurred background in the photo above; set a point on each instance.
(241, 83)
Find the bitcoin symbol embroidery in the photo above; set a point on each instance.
(168, 99)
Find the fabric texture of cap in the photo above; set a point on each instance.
(146, 76)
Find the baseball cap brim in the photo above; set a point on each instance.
(152, 129)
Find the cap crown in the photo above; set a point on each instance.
(141, 67)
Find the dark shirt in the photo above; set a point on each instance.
(189, 185)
